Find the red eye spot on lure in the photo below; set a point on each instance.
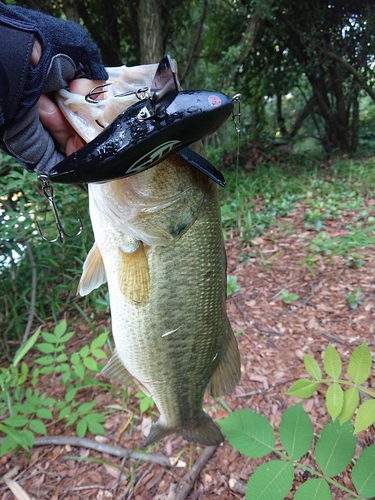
(214, 100)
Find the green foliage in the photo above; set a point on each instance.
(25, 410)
(232, 285)
(341, 404)
(354, 298)
(146, 403)
(288, 297)
(251, 434)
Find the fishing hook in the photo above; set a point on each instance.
(94, 92)
(47, 190)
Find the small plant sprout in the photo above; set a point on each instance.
(354, 298)
(288, 297)
(232, 285)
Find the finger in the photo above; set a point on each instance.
(53, 119)
(83, 86)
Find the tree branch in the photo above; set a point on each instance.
(186, 483)
(196, 40)
(116, 451)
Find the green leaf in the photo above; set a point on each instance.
(249, 433)
(24, 349)
(99, 353)
(46, 370)
(16, 421)
(81, 428)
(296, 432)
(72, 419)
(85, 351)
(359, 368)
(75, 358)
(271, 480)
(332, 362)
(66, 337)
(21, 437)
(351, 399)
(94, 422)
(313, 489)
(99, 341)
(61, 358)
(80, 370)
(38, 427)
(44, 413)
(91, 364)
(45, 348)
(49, 401)
(334, 400)
(85, 407)
(45, 360)
(8, 444)
(70, 395)
(64, 412)
(363, 473)
(60, 329)
(312, 367)
(50, 338)
(303, 388)
(365, 416)
(335, 447)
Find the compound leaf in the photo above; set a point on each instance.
(296, 432)
(271, 480)
(249, 433)
(335, 447)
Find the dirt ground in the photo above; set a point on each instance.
(274, 337)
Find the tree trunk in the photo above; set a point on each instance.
(150, 31)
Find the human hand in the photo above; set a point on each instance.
(62, 52)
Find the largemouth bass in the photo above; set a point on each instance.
(159, 244)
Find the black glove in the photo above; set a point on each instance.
(67, 54)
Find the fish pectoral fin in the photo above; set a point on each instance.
(204, 431)
(93, 274)
(116, 371)
(228, 371)
(134, 275)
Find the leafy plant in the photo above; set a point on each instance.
(341, 404)
(354, 298)
(333, 451)
(146, 403)
(25, 410)
(288, 297)
(232, 285)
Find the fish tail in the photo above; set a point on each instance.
(204, 431)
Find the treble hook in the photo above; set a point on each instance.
(140, 94)
(47, 190)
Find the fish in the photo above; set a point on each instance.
(159, 245)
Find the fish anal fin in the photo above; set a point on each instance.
(93, 274)
(204, 431)
(134, 275)
(116, 371)
(228, 371)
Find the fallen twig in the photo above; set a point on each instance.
(117, 451)
(186, 483)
